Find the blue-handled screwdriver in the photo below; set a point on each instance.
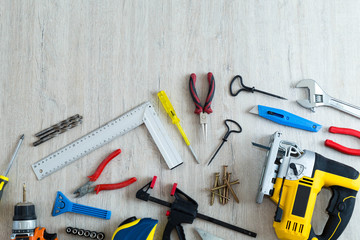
(3, 178)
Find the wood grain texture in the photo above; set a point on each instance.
(102, 58)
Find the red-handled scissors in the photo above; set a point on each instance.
(340, 148)
(202, 110)
(87, 187)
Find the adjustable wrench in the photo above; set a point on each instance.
(318, 97)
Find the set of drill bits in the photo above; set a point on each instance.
(58, 129)
(223, 189)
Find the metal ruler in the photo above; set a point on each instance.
(144, 113)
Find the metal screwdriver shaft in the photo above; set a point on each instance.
(3, 179)
(14, 154)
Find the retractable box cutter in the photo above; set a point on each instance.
(285, 118)
(293, 178)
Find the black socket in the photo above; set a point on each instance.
(100, 236)
(68, 230)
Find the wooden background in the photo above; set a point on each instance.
(102, 58)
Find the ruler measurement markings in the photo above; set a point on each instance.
(88, 143)
(108, 132)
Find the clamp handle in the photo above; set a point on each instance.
(168, 229)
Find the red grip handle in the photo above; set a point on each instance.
(340, 148)
(347, 131)
(103, 165)
(101, 187)
(210, 96)
(194, 95)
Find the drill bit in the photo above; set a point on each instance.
(24, 193)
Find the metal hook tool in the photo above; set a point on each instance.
(226, 136)
(249, 89)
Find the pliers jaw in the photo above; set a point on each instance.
(84, 189)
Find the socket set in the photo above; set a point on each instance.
(85, 233)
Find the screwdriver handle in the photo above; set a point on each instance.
(168, 107)
(3, 181)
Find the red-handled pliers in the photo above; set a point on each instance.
(340, 148)
(87, 188)
(199, 109)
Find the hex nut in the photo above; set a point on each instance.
(100, 236)
(69, 230)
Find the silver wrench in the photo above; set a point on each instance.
(318, 97)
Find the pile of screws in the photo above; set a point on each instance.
(85, 233)
(223, 189)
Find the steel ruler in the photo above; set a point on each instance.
(144, 113)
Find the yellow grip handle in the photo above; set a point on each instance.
(171, 112)
(168, 107)
(3, 181)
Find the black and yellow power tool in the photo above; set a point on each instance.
(293, 178)
(136, 229)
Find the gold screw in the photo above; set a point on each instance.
(232, 191)
(223, 186)
(224, 178)
(227, 189)
(217, 175)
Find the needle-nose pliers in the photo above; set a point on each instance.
(202, 110)
(87, 187)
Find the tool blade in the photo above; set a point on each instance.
(203, 131)
(207, 236)
(206, 132)
(260, 146)
(255, 110)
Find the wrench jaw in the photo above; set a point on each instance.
(306, 104)
(316, 95)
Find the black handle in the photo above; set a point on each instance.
(245, 88)
(228, 128)
(168, 229)
(340, 209)
(50, 236)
